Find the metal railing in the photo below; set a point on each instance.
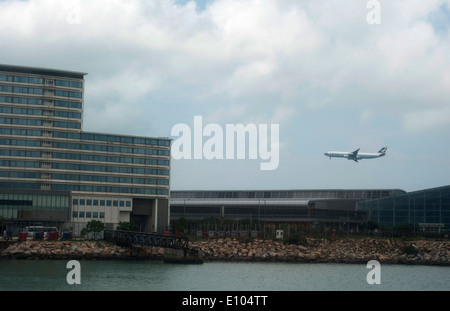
(129, 238)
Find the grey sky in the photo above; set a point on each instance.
(317, 68)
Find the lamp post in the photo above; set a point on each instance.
(259, 212)
(184, 207)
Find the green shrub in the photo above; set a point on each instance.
(95, 226)
(296, 239)
(410, 250)
(127, 226)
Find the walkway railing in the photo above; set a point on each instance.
(146, 239)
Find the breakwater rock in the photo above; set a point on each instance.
(329, 251)
(78, 250)
(313, 250)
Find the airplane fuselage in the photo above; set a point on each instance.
(355, 155)
(360, 156)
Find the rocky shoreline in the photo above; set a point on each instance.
(352, 251)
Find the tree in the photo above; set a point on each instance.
(181, 224)
(127, 226)
(372, 225)
(404, 228)
(93, 226)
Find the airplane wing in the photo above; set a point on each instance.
(354, 154)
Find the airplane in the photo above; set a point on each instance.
(355, 155)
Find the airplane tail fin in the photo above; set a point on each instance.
(383, 150)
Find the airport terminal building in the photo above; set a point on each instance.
(428, 210)
(331, 208)
(54, 173)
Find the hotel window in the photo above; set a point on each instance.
(6, 78)
(68, 94)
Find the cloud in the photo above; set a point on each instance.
(315, 67)
(234, 49)
(404, 47)
(366, 116)
(427, 120)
